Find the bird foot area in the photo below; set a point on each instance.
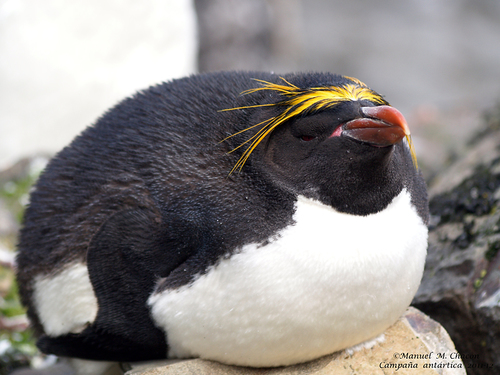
(410, 346)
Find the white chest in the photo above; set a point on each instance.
(328, 282)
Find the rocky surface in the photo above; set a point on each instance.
(415, 344)
(461, 283)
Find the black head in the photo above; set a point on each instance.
(339, 142)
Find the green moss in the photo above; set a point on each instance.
(479, 281)
(10, 304)
(22, 344)
(21, 347)
(15, 194)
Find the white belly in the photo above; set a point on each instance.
(328, 282)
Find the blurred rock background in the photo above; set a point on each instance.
(64, 63)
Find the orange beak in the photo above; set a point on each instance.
(382, 126)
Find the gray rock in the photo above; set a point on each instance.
(461, 283)
(248, 34)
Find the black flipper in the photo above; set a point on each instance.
(125, 259)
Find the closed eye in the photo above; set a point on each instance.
(307, 138)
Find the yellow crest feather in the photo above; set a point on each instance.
(298, 101)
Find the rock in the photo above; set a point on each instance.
(412, 345)
(248, 34)
(461, 284)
